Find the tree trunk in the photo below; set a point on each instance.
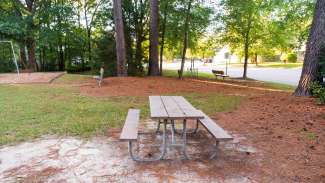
(185, 38)
(315, 44)
(31, 54)
(23, 55)
(89, 44)
(44, 59)
(245, 59)
(153, 38)
(61, 57)
(30, 42)
(246, 46)
(119, 37)
(163, 39)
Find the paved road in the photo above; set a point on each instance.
(278, 75)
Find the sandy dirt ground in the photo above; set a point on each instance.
(36, 77)
(278, 138)
(106, 159)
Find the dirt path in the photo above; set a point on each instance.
(145, 86)
(24, 78)
(103, 159)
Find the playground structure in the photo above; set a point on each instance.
(13, 53)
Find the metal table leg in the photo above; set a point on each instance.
(173, 132)
(185, 140)
(158, 126)
(193, 131)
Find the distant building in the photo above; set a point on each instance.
(301, 53)
(223, 55)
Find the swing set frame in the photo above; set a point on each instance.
(13, 52)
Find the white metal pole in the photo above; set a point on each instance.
(13, 52)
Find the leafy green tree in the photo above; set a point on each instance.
(242, 25)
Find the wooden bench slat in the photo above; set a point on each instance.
(215, 130)
(157, 108)
(130, 129)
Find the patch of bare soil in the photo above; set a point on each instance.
(145, 86)
(35, 77)
(288, 131)
(104, 159)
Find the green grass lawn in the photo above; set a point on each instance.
(280, 86)
(30, 111)
(187, 74)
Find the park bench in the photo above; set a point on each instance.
(219, 73)
(218, 133)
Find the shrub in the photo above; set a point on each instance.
(318, 91)
(292, 57)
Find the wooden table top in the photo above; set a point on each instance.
(172, 107)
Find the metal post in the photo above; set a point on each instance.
(173, 132)
(158, 126)
(15, 59)
(184, 140)
(227, 66)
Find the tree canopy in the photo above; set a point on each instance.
(53, 35)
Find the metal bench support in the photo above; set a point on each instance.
(216, 149)
(160, 157)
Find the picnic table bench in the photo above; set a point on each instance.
(170, 110)
(219, 73)
(130, 128)
(216, 131)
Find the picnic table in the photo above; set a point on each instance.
(171, 110)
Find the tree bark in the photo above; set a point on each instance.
(23, 55)
(88, 30)
(89, 44)
(246, 45)
(119, 37)
(163, 39)
(256, 61)
(314, 46)
(185, 38)
(30, 42)
(153, 38)
(245, 60)
(31, 54)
